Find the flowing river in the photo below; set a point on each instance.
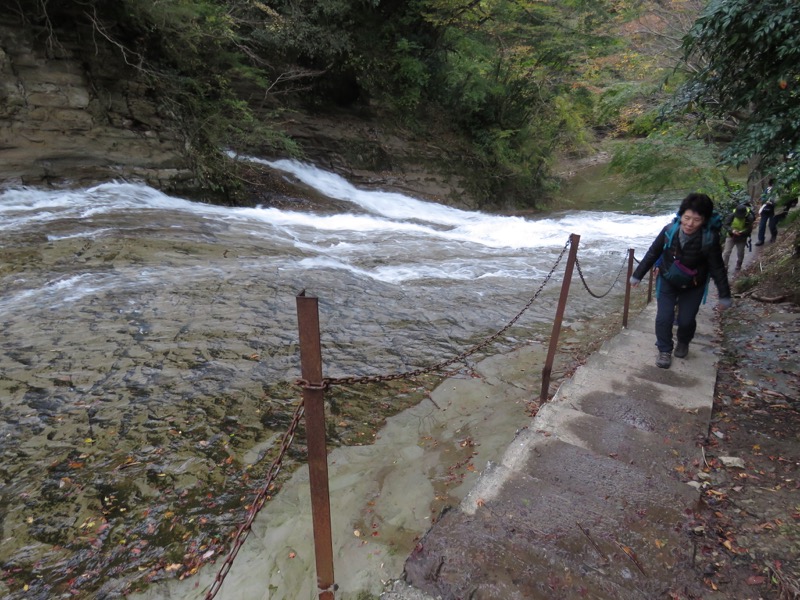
(150, 344)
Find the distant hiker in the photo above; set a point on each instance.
(766, 215)
(688, 253)
(738, 225)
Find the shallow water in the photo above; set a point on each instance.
(150, 346)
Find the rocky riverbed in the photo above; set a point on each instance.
(148, 360)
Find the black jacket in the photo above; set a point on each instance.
(708, 262)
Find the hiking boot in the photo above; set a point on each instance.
(759, 243)
(664, 360)
(681, 350)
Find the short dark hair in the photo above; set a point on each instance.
(699, 203)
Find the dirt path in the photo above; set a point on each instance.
(748, 529)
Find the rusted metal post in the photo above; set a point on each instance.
(574, 239)
(313, 399)
(650, 287)
(628, 290)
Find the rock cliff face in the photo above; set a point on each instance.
(372, 153)
(72, 115)
(64, 122)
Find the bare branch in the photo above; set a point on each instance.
(97, 26)
(291, 76)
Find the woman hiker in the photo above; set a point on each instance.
(688, 253)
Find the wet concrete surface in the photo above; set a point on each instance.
(384, 495)
(591, 499)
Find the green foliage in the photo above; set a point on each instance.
(571, 126)
(745, 283)
(309, 32)
(646, 123)
(669, 159)
(750, 52)
(409, 76)
(244, 130)
(507, 73)
(615, 99)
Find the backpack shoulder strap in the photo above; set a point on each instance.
(670, 233)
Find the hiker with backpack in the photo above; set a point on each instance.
(738, 225)
(687, 253)
(766, 215)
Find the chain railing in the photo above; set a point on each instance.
(586, 285)
(314, 385)
(440, 366)
(261, 497)
(258, 503)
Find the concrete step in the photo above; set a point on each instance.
(588, 501)
(535, 532)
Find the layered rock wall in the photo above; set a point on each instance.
(66, 122)
(73, 113)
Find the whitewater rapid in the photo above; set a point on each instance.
(386, 237)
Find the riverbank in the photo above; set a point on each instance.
(739, 536)
(387, 493)
(384, 494)
(591, 499)
(374, 500)
(150, 345)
